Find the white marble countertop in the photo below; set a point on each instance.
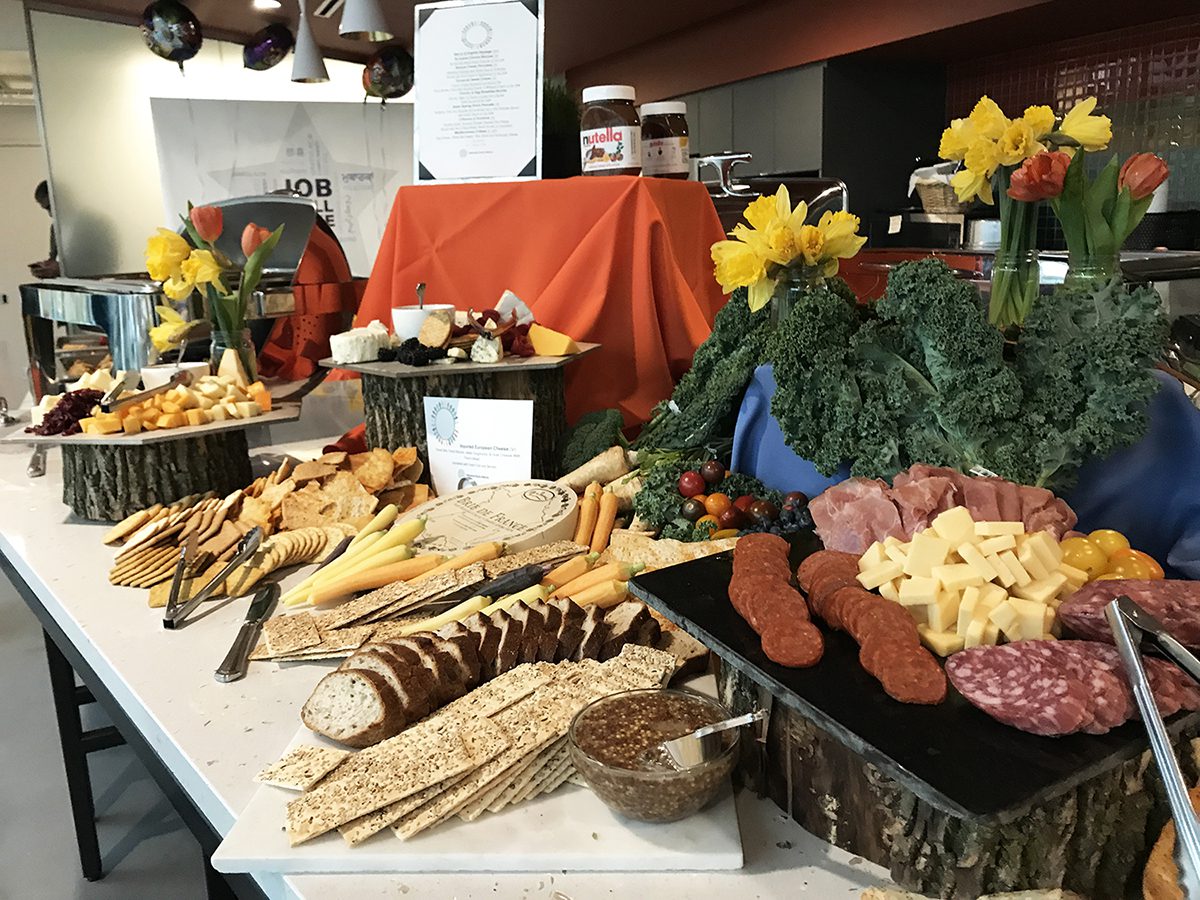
(214, 737)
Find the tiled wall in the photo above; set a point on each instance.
(1147, 79)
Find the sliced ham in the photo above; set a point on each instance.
(920, 500)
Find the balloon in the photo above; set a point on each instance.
(389, 73)
(170, 30)
(268, 47)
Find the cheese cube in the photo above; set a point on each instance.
(873, 578)
(973, 637)
(925, 552)
(872, 557)
(942, 614)
(956, 576)
(170, 407)
(211, 390)
(992, 529)
(991, 596)
(1033, 563)
(992, 545)
(187, 400)
(966, 609)
(1014, 565)
(890, 590)
(86, 424)
(1006, 618)
(150, 423)
(219, 413)
(891, 541)
(547, 342)
(203, 402)
(943, 643)
(991, 634)
(1032, 615)
(1075, 577)
(1050, 617)
(1043, 590)
(248, 409)
(1047, 548)
(1004, 574)
(171, 420)
(897, 553)
(972, 557)
(197, 417)
(132, 424)
(954, 525)
(919, 614)
(919, 590)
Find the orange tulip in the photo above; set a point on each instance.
(1040, 177)
(252, 238)
(1142, 174)
(208, 222)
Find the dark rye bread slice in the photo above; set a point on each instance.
(447, 684)
(451, 656)
(355, 707)
(511, 634)
(487, 641)
(417, 700)
(624, 621)
(533, 626)
(690, 653)
(552, 618)
(570, 629)
(461, 647)
(595, 633)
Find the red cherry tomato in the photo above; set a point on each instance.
(743, 502)
(692, 483)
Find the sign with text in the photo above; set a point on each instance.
(472, 442)
(478, 90)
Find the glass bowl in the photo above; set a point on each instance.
(612, 733)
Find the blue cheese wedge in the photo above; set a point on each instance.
(487, 350)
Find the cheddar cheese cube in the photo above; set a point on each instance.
(992, 529)
(1008, 620)
(874, 577)
(873, 556)
(992, 545)
(943, 643)
(1043, 590)
(966, 609)
(925, 552)
(1004, 574)
(954, 525)
(1014, 565)
(1047, 548)
(1032, 562)
(972, 557)
(920, 590)
(956, 576)
(942, 615)
(890, 590)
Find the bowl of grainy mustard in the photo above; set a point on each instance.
(615, 748)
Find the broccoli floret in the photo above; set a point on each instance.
(594, 433)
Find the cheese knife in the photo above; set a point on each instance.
(237, 660)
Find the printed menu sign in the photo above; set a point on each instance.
(472, 442)
(478, 83)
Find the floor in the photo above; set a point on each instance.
(148, 852)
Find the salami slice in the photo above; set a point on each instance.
(881, 652)
(797, 645)
(887, 619)
(1110, 699)
(815, 561)
(1175, 602)
(743, 590)
(842, 602)
(1168, 696)
(915, 678)
(774, 603)
(762, 539)
(763, 566)
(856, 618)
(1020, 689)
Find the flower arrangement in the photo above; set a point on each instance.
(777, 247)
(184, 267)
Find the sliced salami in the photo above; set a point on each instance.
(762, 539)
(842, 602)
(798, 644)
(1175, 602)
(887, 619)
(1165, 684)
(744, 590)
(882, 652)
(915, 678)
(816, 561)
(773, 604)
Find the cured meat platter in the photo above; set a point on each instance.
(951, 755)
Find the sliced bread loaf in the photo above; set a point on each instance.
(624, 621)
(509, 650)
(595, 633)
(551, 623)
(355, 707)
(570, 629)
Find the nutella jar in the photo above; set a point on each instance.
(610, 132)
(665, 139)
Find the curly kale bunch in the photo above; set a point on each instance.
(594, 433)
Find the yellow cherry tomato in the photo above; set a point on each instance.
(709, 522)
(1108, 540)
(1108, 576)
(1129, 567)
(1085, 556)
(1156, 571)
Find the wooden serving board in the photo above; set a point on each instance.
(516, 363)
(281, 412)
(952, 756)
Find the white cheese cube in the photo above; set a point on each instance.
(890, 590)
(925, 552)
(248, 409)
(219, 413)
(991, 596)
(992, 545)
(1014, 565)
(897, 553)
(943, 643)
(919, 590)
(1032, 615)
(991, 634)
(919, 614)
(966, 609)
(1033, 564)
(1047, 548)
(1004, 574)
(973, 637)
(1051, 616)
(956, 576)
(1005, 617)
(954, 525)
(892, 541)
(972, 557)
(873, 578)
(992, 529)
(1043, 590)
(942, 615)
(1075, 577)
(873, 557)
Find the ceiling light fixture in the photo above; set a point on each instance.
(307, 64)
(267, 4)
(362, 20)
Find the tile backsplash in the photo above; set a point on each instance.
(1146, 78)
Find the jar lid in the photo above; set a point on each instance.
(608, 92)
(664, 108)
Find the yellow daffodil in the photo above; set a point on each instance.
(178, 287)
(831, 267)
(983, 157)
(1040, 120)
(760, 293)
(956, 139)
(969, 184)
(1017, 144)
(840, 233)
(812, 243)
(165, 251)
(737, 265)
(201, 267)
(171, 330)
(768, 210)
(1090, 132)
(988, 119)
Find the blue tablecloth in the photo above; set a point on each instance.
(1149, 492)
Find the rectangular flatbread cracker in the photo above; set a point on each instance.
(301, 768)
(289, 634)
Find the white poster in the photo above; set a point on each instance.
(478, 90)
(348, 158)
(472, 442)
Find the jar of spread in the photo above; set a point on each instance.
(610, 132)
(665, 139)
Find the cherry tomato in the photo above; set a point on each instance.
(1156, 571)
(743, 502)
(691, 483)
(764, 512)
(723, 533)
(712, 471)
(732, 518)
(715, 504)
(796, 498)
(1085, 556)
(691, 509)
(1129, 567)
(709, 522)
(1108, 576)
(1108, 540)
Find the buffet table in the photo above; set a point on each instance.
(203, 741)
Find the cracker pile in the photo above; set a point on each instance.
(501, 744)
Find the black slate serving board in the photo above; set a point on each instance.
(952, 756)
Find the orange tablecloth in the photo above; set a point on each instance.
(620, 261)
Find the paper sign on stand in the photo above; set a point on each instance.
(472, 442)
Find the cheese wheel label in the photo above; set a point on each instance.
(523, 514)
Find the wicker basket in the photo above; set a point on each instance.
(939, 197)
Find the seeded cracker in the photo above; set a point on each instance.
(288, 634)
(300, 769)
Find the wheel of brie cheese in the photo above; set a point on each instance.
(523, 514)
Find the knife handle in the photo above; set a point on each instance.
(237, 660)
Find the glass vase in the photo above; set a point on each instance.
(788, 292)
(1086, 268)
(1016, 282)
(242, 344)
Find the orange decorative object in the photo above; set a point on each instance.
(621, 261)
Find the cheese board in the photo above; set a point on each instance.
(466, 367)
(281, 412)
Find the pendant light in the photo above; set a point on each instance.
(362, 20)
(307, 63)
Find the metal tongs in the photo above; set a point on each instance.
(1129, 623)
(176, 614)
(109, 402)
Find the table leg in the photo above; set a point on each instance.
(215, 885)
(79, 782)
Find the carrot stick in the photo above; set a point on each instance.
(589, 512)
(479, 553)
(605, 522)
(593, 490)
(375, 578)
